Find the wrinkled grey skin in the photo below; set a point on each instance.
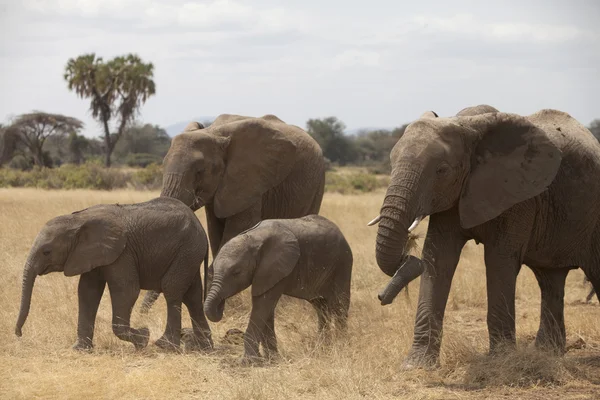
(525, 187)
(410, 270)
(157, 245)
(244, 170)
(306, 258)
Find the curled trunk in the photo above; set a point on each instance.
(29, 276)
(215, 303)
(409, 271)
(400, 208)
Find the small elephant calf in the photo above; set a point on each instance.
(306, 258)
(157, 245)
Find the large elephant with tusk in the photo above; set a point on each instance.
(525, 187)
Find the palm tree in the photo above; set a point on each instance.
(117, 88)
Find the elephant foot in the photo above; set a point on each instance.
(251, 361)
(547, 344)
(197, 341)
(83, 345)
(140, 338)
(418, 359)
(167, 345)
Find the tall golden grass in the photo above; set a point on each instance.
(41, 364)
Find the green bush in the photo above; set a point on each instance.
(67, 176)
(353, 182)
(142, 159)
(93, 175)
(149, 178)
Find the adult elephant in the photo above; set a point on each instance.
(523, 186)
(243, 170)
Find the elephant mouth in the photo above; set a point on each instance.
(198, 202)
(220, 309)
(47, 270)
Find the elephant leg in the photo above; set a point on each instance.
(149, 300)
(340, 307)
(215, 227)
(321, 305)
(340, 302)
(171, 338)
(441, 252)
(269, 338)
(89, 293)
(501, 277)
(505, 244)
(262, 308)
(240, 222)
(193, 301)
(552, 334)
(123, 294)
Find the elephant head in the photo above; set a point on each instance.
(73, 244)
(230, 164)
(482, 164)
(261, 259)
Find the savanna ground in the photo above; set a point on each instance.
(41, 364)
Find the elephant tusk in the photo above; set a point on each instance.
(375, 220)
(416, 223)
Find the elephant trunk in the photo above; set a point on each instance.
(409, 271)
(29, 276)
(174, 186)
(215, 303)
(400, 208)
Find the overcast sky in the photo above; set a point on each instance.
(370, 63)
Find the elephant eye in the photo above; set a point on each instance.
(46, 252)
(442, 169)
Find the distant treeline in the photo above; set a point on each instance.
(51, 140)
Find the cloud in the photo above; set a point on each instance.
(302, 58)
(500, 31)
(352, 58)
(152, 14)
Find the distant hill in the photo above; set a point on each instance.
(177, 128)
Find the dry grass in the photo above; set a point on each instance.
(366, 365)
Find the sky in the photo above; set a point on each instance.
(371, 64)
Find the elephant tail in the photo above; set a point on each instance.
(205, 275)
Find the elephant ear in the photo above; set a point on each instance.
(513, 161)
(259, 157)
(99, 241)
(193, 126)
(279, 255)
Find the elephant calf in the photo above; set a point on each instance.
(306, 258)
(157, 245)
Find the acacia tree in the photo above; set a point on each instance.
(117, 89)
(329, 133)
(34, 128)
(9, 139)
